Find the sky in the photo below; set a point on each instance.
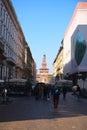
(44, 23)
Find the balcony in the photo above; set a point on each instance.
(19, 66)
(10, 60)
(1, 47)
(2, 56)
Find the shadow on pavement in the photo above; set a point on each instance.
(27, 108)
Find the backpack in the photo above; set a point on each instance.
(56, 93)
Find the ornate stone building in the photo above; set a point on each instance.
(44, 75)
(15, 55)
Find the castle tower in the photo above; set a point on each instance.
(44, 62)
(44, 71)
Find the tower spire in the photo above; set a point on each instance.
(44, 61)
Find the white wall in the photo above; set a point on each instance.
(77, 23)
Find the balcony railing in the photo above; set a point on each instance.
(10, 60)
(1, 46)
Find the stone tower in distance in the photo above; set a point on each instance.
(44, 71)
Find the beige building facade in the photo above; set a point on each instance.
(58, 65)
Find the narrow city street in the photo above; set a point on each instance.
(26, 113)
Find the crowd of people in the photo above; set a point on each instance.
(42, 91)
(46, 91)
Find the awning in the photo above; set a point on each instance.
(17, 80)
(1, 81)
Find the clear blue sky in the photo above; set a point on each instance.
(44, 23)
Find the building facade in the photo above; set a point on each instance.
(58, 65)
(12, 43)
(29, 70)
(74, 51)
(75, 42)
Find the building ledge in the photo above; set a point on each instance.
(19, 66)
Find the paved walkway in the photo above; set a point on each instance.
(25, 113)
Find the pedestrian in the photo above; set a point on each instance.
(64, 91)
(48, 92)
(45, 93)
(37, 92)
(56, 94)
(78, 92)
(4, 95)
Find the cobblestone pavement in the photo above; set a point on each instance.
(25, 113)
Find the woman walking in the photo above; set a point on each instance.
(56, 94)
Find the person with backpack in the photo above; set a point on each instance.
(56, 94)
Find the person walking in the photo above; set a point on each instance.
(64, 91)
(37, 91)
(4, 95)
(78, 92)
(56, 94)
